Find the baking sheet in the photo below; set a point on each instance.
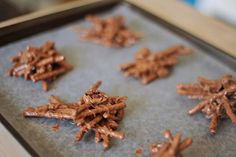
(151, 109)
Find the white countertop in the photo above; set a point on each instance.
(9, 146)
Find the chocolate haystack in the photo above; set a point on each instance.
(39, 64)
(110, 32)
(94, 111)
(218, 98)
(171, 148)
(149, 66)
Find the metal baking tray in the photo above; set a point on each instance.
(151, 108)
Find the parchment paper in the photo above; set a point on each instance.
(151, 109)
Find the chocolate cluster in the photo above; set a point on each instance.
(218, 98)
(110, 32)
(95, 111)
(43, 63)
(173, 147)
(149, 66)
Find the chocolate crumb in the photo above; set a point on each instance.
(139, 151)
(55, 127)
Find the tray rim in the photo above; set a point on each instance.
(19, 27)
(208, 29)
(81, 3)
(46, 12)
